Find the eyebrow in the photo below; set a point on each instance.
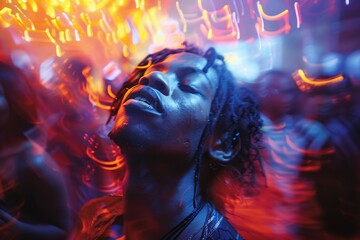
(189, 69)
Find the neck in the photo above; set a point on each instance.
(155, 201)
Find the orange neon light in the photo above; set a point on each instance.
(281, 16)
(319, 81)
(106, 164)
(278, 16)
(110, 92)
(221, 16)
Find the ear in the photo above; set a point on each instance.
(223, 149)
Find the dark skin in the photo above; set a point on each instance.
(159, 126)
(33, 196)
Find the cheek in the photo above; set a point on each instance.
(192, 120)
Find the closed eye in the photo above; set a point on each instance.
(188, 88)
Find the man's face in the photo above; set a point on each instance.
(168, 110)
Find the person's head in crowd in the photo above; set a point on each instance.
(326, 100)
(277, 93)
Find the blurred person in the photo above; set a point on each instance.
(33, 194)
(78, 135)
(181, 122)
(295, 149)
(335, 105)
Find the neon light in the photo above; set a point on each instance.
(298, 14)
(228, 32)
(236, 26)
(319, 81)
(284, 15)
(106, 164)
(110, 92)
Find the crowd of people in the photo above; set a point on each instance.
(187, 153)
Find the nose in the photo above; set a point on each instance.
(156, 80)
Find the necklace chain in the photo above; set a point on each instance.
(181, 226)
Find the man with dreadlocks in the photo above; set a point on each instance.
(180, 121)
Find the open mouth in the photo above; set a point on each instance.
(146, 96)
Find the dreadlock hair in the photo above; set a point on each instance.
(234, 110)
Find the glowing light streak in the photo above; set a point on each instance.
(134, 34)
(228, 32)
(85, 17)
(237, 10)
(58, 51)
(47, 31)
(298, 14)
(153, 26)
(216, 16)
(108, 38)
(105, 24)
(347, 2)
(29, 24)
(68, 37)
(126, 51)
(77, 37)
(318, 81)
(50, 11)
(189, 18)
(23, 5)
(67, 19)
(283, 15)
(137, 4)
(260, 14)
(111, 188)
(257, 27)
(117, 163)
(236, 26)
(62, 37)
(78, 29)
(34, 6)
(110, 92)
(95, 100)
(6, 13)
(39, 36)
(100, 5)
(114, 38)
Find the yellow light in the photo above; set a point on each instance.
(284, 15)
(319, 81)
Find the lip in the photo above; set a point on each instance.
(144, 98)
